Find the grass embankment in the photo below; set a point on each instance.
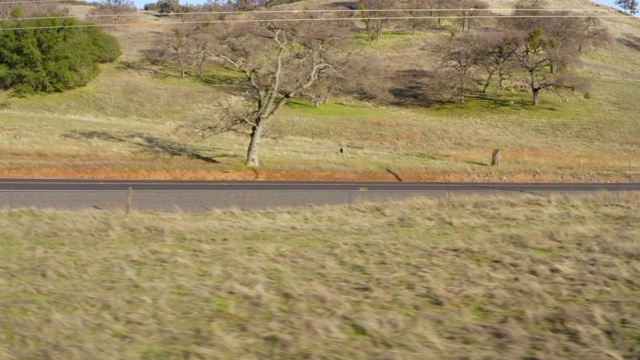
(101, 137)
(123, 124)
(475, 278)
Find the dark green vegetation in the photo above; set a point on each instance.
(52, 54)
(460, 278)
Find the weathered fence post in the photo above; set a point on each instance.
(495, 159)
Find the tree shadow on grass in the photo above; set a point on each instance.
(443, 158)
(352, 5)
(496, 101)
(150, 144)
(149, 67)
(411, 89)
(217, 79)
(630, 41)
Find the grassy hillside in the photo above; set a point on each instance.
(124, 123)
(458, 278)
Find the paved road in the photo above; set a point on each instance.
(207, 195)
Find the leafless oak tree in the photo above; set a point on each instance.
(467, 10)
(112, 11)
(537, 54)
(279, 60)
(417, 10)
(495, 58)
(374, 20)
(459, 58)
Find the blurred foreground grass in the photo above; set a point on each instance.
(466, 278)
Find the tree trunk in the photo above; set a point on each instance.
(486, 84)
(536, 96)
(327, 97)
(254, 146)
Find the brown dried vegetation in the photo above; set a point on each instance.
(465, 278)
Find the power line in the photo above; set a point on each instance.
(238, 12)
(306, 19)
(131, 14)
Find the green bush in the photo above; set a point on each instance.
(52, 54)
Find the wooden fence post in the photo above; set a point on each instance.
(495, 159)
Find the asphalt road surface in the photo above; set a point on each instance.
(200, 196)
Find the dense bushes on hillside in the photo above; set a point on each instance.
(52, 54)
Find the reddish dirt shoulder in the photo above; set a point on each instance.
(251, 174)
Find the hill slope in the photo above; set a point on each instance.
(124, 123)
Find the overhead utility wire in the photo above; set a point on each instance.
(131, 14)
(295, 20)
(236, 12)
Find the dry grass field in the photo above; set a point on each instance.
(457, 278)
(124, 124)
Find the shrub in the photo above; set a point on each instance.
(52, 54)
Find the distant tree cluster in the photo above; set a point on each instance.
(256, 4)
(278, 60)
(52, 54)
(533, 53)
(112, 11)
(421, 14)
(630, 5)
(173, 6)
(28, 8)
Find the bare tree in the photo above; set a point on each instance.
(593, 34)
(279, 61)
(467, 10)
(200, 42)
(417, 10)
(459, 59)
(495, 58)
(112, 10)
(373, 18)
(537, 54)
(569, 33)
(177, 49)
(320, 92)
(525, 16)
